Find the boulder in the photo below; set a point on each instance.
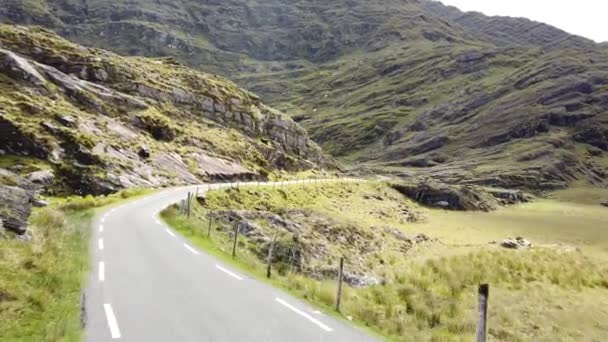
(44, 178)
(517, 243)
(604, 203)
(360, 280)
(16, 198)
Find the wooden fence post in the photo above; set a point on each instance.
(484, 291)
(268, 270)
(340, 275)
(209, 228)
(188, 202)
(236, 235)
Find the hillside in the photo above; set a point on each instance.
(402, 86)
(106, 122)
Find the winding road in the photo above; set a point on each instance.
(149, 284)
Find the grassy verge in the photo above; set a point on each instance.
(41, 280)
(320, 294)
(548, 293)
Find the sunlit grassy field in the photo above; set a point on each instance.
(558, 291)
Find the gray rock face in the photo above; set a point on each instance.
(20, 68)
(16, 198)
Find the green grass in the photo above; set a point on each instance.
(549, 293)
(41, 281)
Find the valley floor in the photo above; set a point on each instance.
(428, 262)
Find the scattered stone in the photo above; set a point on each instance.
(144, 151)
(420, 238)
(506, 197)
(604, 203)
(246, 227)
(399, 235)
(360, 280)
(39, 203)
(517, 243)
(67, 120)
(50, 127)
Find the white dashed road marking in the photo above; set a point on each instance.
(228, 272)
(101, 228)
(112, 323)
(305, 315)
(100, 244)
(102, 271)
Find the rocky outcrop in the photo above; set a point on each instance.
(107, 122)
(20, 68)
(16, 198)
(459, 197)
(448, 196)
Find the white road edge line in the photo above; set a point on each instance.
(170, 232)
(158, 222)
(112, 324)
(305, 315)
(228, 272)
(100, 244)
(194, 251)
(102, 271)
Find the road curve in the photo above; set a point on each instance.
(149, 284)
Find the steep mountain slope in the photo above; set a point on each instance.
(104, 122)
(401, 85)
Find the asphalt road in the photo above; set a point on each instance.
(149, 284)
